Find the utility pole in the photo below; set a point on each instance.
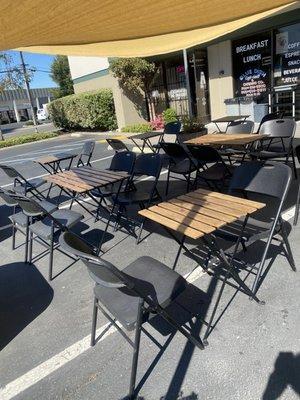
(27, 87)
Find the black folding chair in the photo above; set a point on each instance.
(270, 117)
(297, 151)
(21, 184)
(20, 222)
(273, 181)
(232, 128)
(86, 153)
(46, 229)
(180, 163)
(117, 145)
(143, 289)
(171, 128)
(279, 142)
(121, 161)
(149, 166)
(210, 166)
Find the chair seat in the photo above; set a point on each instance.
(132, 197)
(231, 151)
(216, 172)
(47, 205)
(152, 278)
(19, 219)
(67, 218)
(268, 154)
(182, 167)
(34, 184)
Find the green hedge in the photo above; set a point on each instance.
(34, 137)
(137, 128)
(92, 110)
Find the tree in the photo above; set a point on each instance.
(11, 76)
(135, 74)
(60, 73)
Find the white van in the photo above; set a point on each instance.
(42, 113)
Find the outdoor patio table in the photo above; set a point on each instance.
(52, 163)
(145, 138)
(221, 139)
(80, 181)
(197, 215)
(228, 119)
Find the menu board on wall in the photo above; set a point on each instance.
(251, 59)
(287, 55)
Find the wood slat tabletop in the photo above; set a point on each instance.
(226, 139)
(200, 212)
(84, 179)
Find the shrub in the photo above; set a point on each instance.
(191, 125)
(28, 123)
(169, 115)
(158, 122)
(137, 128)
(93, 110)
(34, 137)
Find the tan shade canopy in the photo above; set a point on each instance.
(125, 27)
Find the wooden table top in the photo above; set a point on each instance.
(230, 118)
(226, 139)
(146, 135)
(54, 158)
(200, 212)
(84, 179)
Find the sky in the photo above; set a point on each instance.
(41, 62)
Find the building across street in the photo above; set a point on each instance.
(253, 71)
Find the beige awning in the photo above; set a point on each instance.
(125, 28)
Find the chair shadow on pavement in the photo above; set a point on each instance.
(285, 374)
(24, 295)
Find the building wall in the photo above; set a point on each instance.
(92, 73)
(220, 77)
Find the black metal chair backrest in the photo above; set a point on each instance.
(6, 197)
(205, 154)
(86, 153)
(172, 128)
(240, 127)
(123, 161)
(12, 172)
(148, 164)
(101, 271)
(117, 145)
(174, 150)
(270, 117)
(284, 127)
(271, 179)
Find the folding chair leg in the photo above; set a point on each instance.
(288, 247)
(294, 164)
(13, 245)
(51, 248)
(136, 349)
(94, 322)
(140, 232)
(168, 179)
(297, 207)
(26, 239)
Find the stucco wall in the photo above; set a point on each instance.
(220, 77)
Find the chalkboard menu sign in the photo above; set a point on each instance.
(251, 59)
(287, 55)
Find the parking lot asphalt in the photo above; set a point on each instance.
(253, 350)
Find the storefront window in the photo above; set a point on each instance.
(251, 58)
(287, 55)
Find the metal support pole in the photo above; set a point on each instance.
(27, 87)
(187, 80)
